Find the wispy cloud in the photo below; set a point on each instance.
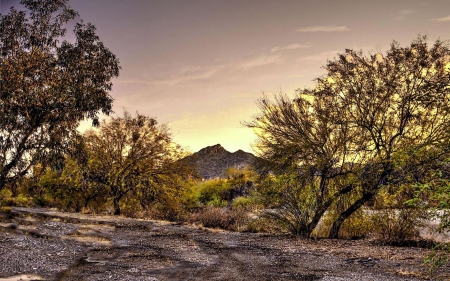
(189, 74)
(444, 19)
(324, 28)
(321, 57)
(404, 13)
(186, 74)
(292, 47)
(259, 61)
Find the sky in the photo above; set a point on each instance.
(200, 66)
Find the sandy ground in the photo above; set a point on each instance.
(40, 244)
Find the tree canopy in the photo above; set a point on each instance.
(131, 154)
(370, 121)
(47, 86)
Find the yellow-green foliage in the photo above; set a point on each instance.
(358, 225)
(132, 208)
(6, 197)
(22, 200)
(214, 192)
(248, 203)
(190, 195)
(5, 194)
(269, 191)
(57, 192)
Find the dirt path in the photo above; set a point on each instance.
(66, 246)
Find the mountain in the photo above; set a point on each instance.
(211, 162)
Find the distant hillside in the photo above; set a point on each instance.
(210, 162)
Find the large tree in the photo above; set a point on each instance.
(300, 137)
(47, 86)
(131, 154)
(368, 122)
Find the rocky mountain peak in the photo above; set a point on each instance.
(212, 161)
(213, 150)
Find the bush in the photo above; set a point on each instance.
(296, 207)
(131, 207)
(263, 224)
(249, 203)
(216, 192)
(22, 200)
(228, 219)
(6, 197)
(399, 224)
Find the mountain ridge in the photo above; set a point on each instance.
(212, 161)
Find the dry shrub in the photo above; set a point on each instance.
(228, 219)
(386, 224)
(399, 224)
(296, 208)
(263, 225)
(166, 211)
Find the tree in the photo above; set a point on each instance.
(47, 86)
(70, 187)
(131, 154)
(301, 139)
(383, 117)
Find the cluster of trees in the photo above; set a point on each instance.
(374, 126)
(125, 157)
(370, 122)
(47, 86)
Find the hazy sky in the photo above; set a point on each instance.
(200, 66)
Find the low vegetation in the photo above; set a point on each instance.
(364, 154)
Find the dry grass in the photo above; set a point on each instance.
(228, 219)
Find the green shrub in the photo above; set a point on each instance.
(439, 258)
(22, 200)
(6, 197)
(296, 207)
(215, 192)
(131, 207)
(249, 203)
(5, 194)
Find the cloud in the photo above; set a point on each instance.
(186, 74)
(404, 13)
(444, 19)
(321, 57)
(292, 47)
(321, 28)
(259, 61)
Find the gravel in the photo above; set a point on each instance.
(65, 246)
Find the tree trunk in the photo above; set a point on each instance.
(86, 202)
(2, 181)
(334, 231)
(116, 200)
(324, 207)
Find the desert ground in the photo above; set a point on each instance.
(43, 244)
